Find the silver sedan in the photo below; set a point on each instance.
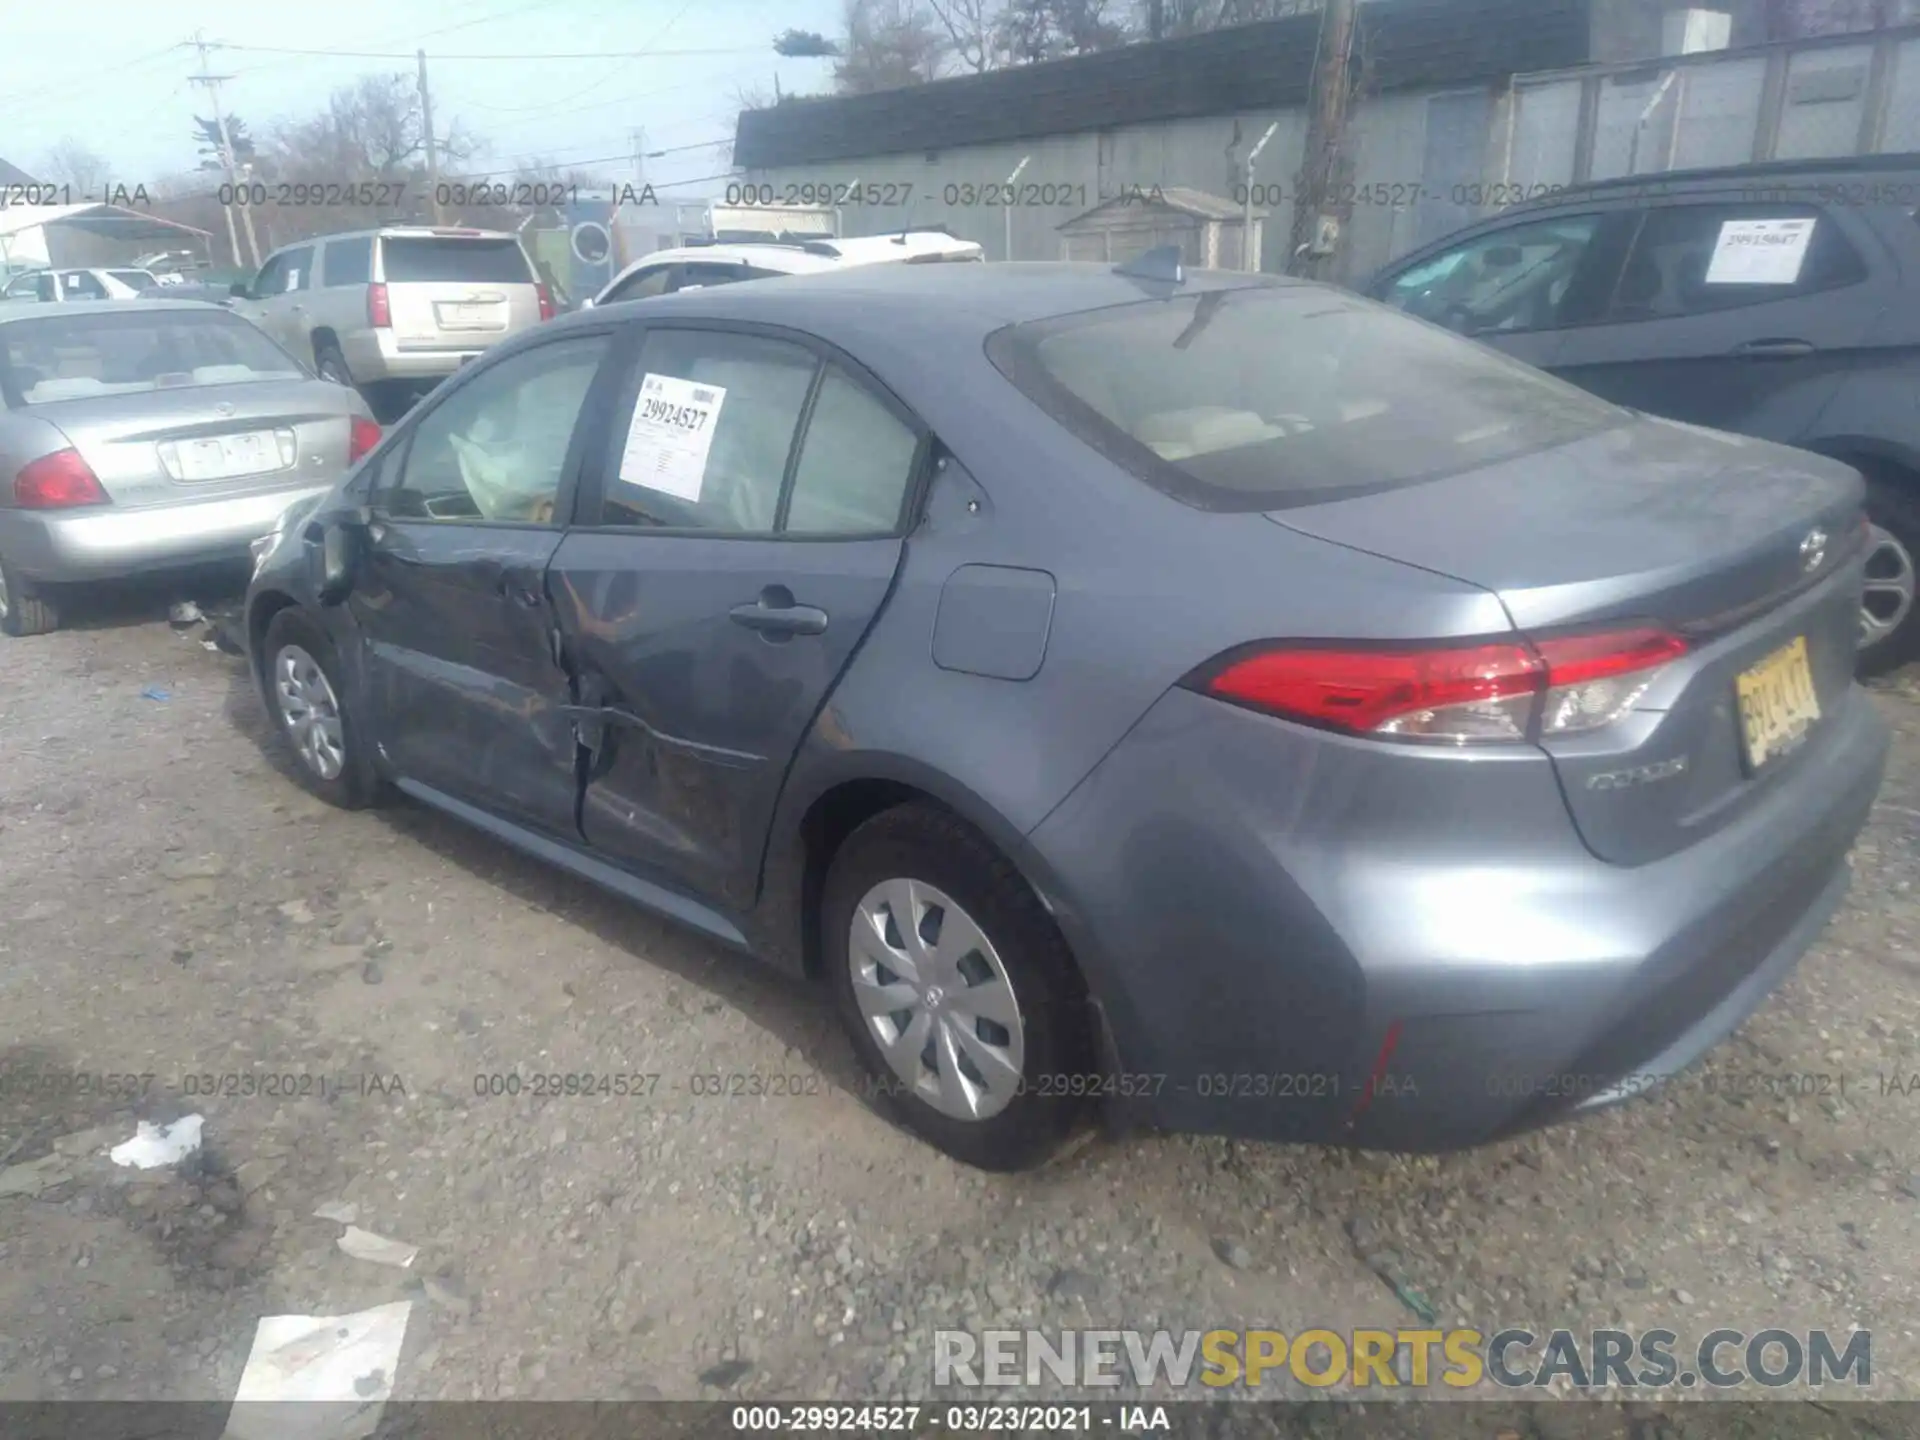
(145, 436)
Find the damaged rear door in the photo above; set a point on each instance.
(467, 691)
(732, 547)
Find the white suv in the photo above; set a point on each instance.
(694, 266)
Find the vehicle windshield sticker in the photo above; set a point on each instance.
(671, 433)
(1760, 252)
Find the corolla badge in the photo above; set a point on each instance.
(1813, 550)
(223, 409)
(1639, 775)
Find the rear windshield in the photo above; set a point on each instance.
(460, 262)
(1267, 397)
(75, 357)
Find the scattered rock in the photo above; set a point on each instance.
(1681, 1297)
(371, 972)
(449, 1294)
(354, 930)
(296, 912)
(34, 1177)
(1233, 1254)
(726, 1374)
(343, 1212)
(195, 867)
(1071, 1284)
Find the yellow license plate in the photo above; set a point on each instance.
(1777, 703)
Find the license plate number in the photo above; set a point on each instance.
(1777, 703)
(222, 457)
(466, 317)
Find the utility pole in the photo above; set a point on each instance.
(1320, 214)
(426, 130)
(212, 82)
(1156, 19)
(639, 138)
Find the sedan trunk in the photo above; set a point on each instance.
(1748, 551)
(209, 441)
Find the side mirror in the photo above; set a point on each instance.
(336, 559)
(238, 289)
(587, 304)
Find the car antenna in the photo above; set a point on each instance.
(1161, 263)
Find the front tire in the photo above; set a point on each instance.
(24, 608)
(957, 989)
(1889, 629)
(307, 700)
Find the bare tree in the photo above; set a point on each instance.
(1192, 17)
(1036, 30)
(978, 30)
(72, 163)
(889, 44)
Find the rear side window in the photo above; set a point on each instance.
(77, 355)
(855, 463)
(699, 275)
(451, 260)
(1515, 279)
(1696, 259)
(1268, 397)
(79, 285)
(642, 284)
(135, 279)
(347, 262)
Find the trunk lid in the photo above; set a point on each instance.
(1743, 547)
(165, 447)
(457, 293)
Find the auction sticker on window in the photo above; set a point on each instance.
(1759, 252)
(671, 433)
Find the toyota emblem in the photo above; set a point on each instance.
(223, 409)
(1813, 550)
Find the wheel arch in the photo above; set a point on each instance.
(260, 612)
(814, 820)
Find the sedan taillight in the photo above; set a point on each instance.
(545, 297)
(59, 481)
(364, 436)
(1450, 694)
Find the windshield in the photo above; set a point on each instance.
(1265, 397)
(456, 261)
(74, 357)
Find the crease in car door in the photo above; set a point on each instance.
(468, 694)
(705, 638)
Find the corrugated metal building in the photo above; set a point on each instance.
(1178, 113)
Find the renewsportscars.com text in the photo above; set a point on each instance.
(1458, 1359)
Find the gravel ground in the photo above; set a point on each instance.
(176, 907)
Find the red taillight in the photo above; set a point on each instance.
(364, 437)
(379, 313)
(546, 301)
(1504, 690)
(58, 482)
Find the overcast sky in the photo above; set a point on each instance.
(102, 75)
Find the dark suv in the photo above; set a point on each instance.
(1778, 300)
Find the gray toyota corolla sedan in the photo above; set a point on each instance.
(141, 436)
(1219, 699)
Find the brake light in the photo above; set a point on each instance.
(546, 301)
(379, 313)
(1460, 695)
(58, 481)
(363, 437)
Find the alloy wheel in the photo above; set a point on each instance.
(1888, 598)
(936, 999)
(310, 711)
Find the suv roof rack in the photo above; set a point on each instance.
(1765, 170)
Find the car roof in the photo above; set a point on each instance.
(1780, 173)
(790, 258)
(444, 232)
(944, 307)
(32, 310)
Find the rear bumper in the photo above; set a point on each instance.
(108, 542)
(1294, 936)
(374, 356)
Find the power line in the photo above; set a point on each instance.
(12, 101)
(437, 56)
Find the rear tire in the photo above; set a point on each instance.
(1008, 1093)
(24, 607)
(1890, 629)
(330, 364)
(307, 700)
